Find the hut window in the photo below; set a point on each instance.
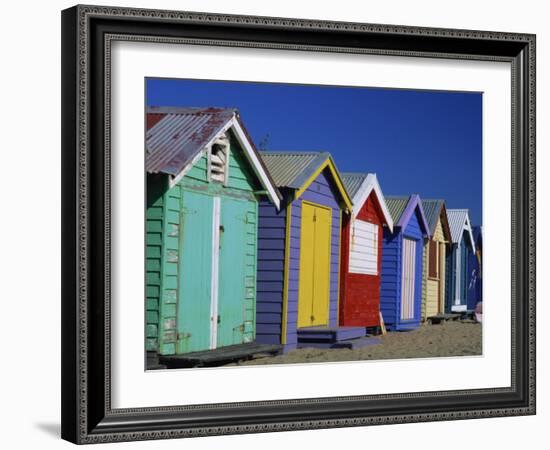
(432, 259)
(363, 255)
(219, 160)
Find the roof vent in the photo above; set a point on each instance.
(219, 159)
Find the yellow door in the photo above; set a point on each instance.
(314, 276)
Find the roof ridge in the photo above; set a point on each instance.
(356, 174)
(289, 153)
(398, 197)
(188, 109)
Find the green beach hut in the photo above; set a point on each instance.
(204, 181)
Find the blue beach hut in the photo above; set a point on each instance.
(462, 246)
(401, 287)
(475, 291)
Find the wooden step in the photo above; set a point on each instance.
(439, 318)
(350, 344)
(330, 334)
(220, 356)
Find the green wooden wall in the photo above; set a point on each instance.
(163, 240)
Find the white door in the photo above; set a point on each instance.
(408, 278)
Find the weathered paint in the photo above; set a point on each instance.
(279, 262)
(195, 272)
(197, 311)
(392, 271)
(237, 272)
(176, 137)
(153, 258)
(360, 293)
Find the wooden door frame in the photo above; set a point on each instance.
(316, 205)
(416, 241)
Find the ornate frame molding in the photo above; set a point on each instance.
(86, 193)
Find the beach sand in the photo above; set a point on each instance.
(428, 341)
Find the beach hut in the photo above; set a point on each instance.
(299, 251)
(435, 249)
(475, 290)
(462, 245)
(361, 252)
(204, 182)
(401, 288)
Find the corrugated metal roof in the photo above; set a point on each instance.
(432, 211)
(458, 220)
(396, 206)
(292, 169)
(174, 140)
(353, 181)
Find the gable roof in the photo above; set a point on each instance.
(435, 210)
(402, 208)
(360, 186)
(459, 221)
(296, 170)
(176, 137)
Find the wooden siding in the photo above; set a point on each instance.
(392, 259)
(433, 290)
(271, 253)
(271, 263)
(170, 271)
(153, 260)
(360, 293)
(240, 176)
(390, 287)
(164, 248)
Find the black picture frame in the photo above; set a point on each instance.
(87, 416)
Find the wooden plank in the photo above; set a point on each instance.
(382, 324)
(220, 356)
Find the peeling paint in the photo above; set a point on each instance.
(172, 256)
(173, 230)
(169, 324)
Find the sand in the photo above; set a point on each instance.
(429, 341)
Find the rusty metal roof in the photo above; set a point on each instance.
(173, 140)
(292, 169)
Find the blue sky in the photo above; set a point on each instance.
(422, 142)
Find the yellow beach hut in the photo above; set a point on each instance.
(435, 249)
